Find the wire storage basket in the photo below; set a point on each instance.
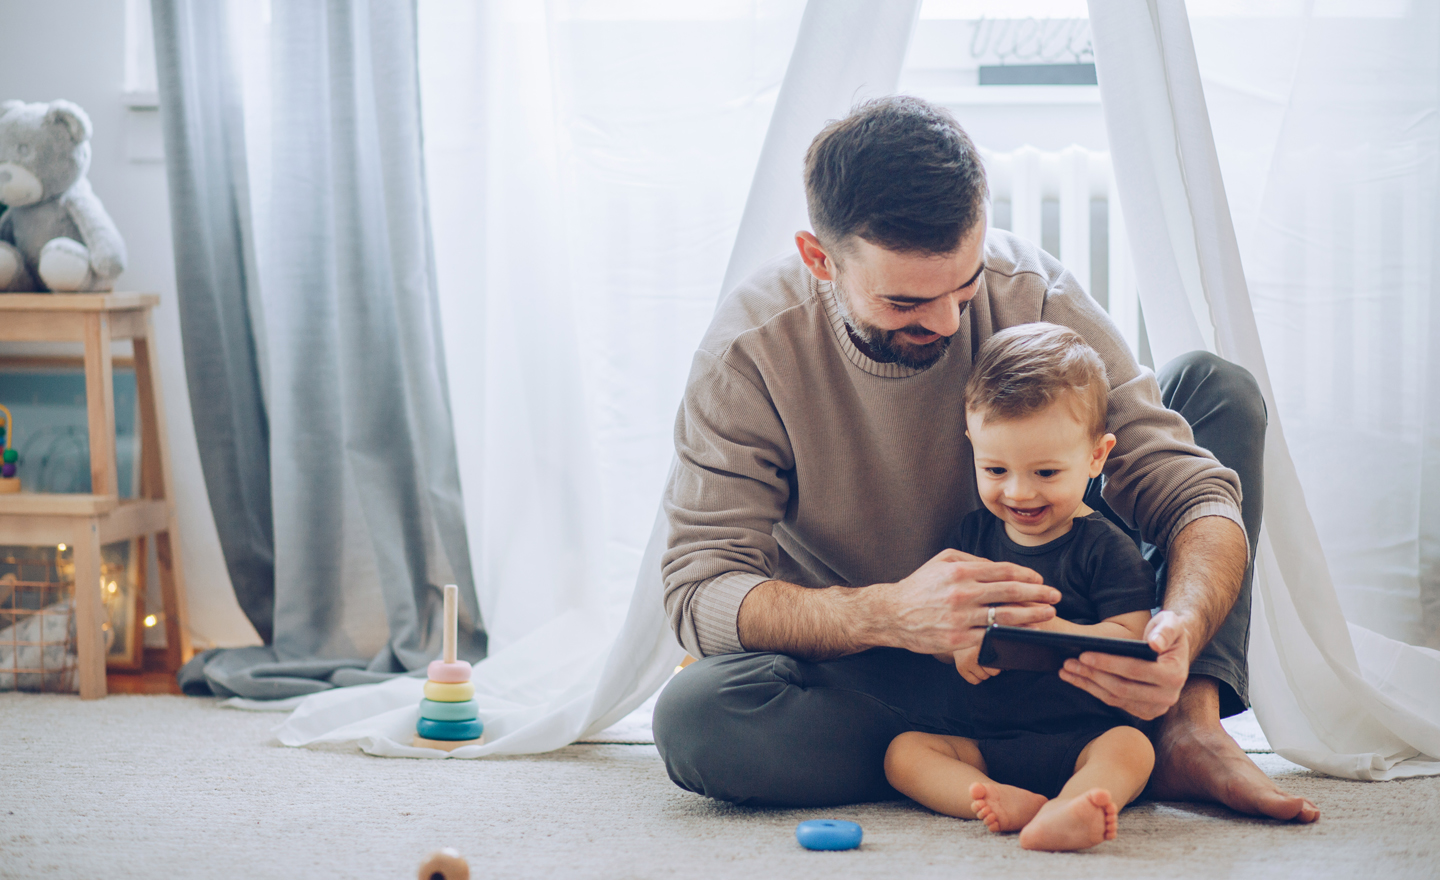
(37, 620)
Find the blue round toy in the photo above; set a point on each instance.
(449, 730)
(828, 834)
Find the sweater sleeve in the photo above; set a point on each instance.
(1157, 478)
(723, 500)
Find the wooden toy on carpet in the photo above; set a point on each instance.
(9, 480)
(449, 715)
(445, 864)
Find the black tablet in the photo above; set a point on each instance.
(1038, 650)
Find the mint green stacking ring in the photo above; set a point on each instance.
(435, 711)
(451, 731)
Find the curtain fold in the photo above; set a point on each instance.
(846, 53)
(216, 282)
(1330, 695)
(319, 120)
(588, 667)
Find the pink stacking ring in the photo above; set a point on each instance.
(449, 673)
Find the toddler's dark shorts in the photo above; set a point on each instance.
(1038, 762)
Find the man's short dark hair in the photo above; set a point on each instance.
(898, 172)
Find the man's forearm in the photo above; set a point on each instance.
(1206, 567)
(816, 624)
(943, 606)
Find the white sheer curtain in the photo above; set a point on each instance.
(585, 180)
(1332, 696)
(1330, 145)
(588, 167)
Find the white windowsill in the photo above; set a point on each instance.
(1024, 95)
(138, 100)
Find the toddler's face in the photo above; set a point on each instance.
(1032, 471)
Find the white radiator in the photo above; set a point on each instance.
(1024, 180)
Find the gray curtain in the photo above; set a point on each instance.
(312, 345)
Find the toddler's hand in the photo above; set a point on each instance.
(967, 661)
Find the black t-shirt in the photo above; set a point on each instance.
(1100, 573)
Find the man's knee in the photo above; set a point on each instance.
(701, 718)
(1201, 383)
(754, 729)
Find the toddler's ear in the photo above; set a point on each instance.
(1100, 454)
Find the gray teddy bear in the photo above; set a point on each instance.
(55, 235)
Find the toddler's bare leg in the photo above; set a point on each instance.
(1110, 773)
(947, 774)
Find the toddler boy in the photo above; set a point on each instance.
(1047, 759)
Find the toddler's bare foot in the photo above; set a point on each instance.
(1078, 823)
(1004, 807)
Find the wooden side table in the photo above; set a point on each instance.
(87, 521)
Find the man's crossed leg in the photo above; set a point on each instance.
(764, 728)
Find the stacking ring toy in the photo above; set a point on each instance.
(828, 834)
(466, 711)
(448, 673)
(449, 730)
(449, 693)
(449, 714)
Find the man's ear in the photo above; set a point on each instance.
(815, 257)
(1100, 454)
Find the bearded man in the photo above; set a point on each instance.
(823, 462)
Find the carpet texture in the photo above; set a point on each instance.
(150, 786)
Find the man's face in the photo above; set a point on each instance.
(906, 307)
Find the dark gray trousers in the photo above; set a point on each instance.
(770, 729)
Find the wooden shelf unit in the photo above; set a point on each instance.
(87, 521)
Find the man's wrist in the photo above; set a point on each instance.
(867, 615)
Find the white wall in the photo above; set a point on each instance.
(74, 49)
(942, 66)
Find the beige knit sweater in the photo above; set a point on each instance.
(801, 459)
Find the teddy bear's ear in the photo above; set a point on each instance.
(73, 119)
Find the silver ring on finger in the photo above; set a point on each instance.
(990, 617)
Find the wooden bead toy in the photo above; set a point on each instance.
(449, 715)
(9, 480)
(445, 864)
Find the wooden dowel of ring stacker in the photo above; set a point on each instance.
(452, 593)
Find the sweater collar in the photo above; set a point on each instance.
(825, 292)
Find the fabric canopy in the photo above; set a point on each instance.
(590, 667)
(1329, 696)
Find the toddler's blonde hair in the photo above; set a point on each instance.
(1023, 369)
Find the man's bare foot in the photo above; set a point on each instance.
(1196, 760)
(1079, 823)
(1004, 807)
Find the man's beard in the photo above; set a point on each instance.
(887, 346)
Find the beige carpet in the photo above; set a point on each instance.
(180, 788)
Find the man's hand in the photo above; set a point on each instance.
(943, 607)
(967, 661)
(1143, 688)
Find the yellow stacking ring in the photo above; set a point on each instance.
(449, 693)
